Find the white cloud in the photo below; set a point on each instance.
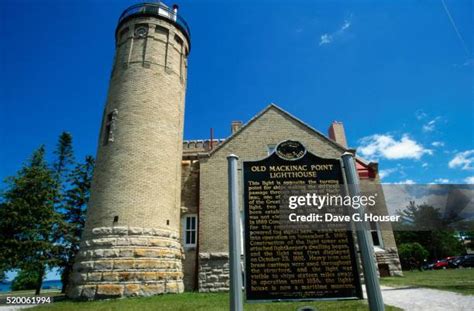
(385, 146)
(420, 114)
(463, 160)
(437, 144)
(346, 25)
(325, 39)
(441, 181)
(469, 180)
(386, 172)
(430, 126)
(424, 164)
(328, 38)
(406, 182)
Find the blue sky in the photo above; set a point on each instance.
(395, 72)
(399, 74)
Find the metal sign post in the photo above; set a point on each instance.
(234, 236)
(364, 240)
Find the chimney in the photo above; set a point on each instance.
(235, 126)
(336, 133)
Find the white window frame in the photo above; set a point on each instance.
(375, 229)
(189, 229)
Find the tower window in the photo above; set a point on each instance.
(375, 232)
(141, 30)
(161, 29)
(110, 126)
(123, 33)
(178, 40)
(190, 230)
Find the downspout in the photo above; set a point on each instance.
(196, 268)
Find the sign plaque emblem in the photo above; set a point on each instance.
(290, 150)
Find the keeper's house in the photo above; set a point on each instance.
(204, 195)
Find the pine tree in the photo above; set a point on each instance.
(75, 205)
(65, 157)
(62, 169)
(425, 225)
(3, 274)
(28, 219)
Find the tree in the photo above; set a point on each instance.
(62, 169)
(412, 255)
(65, 157)
(3, 274)
(75, 205)
(424, 224)
(28, 219)
(25, 280)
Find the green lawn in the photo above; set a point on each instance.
(196, 302)
(459, 280)
(455, 280)
(25, 293)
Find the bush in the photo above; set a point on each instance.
(25, 280)
(412, 255)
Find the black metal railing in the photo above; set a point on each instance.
(156, 9)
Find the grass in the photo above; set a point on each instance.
(455, 280)
(458, 280)
(198, 302)
(29, 293)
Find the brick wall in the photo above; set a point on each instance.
(189, 205)
(250, 143)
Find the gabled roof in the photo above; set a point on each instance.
(289, 115)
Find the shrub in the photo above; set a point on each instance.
(412, 255)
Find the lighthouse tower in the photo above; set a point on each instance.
(130, 245)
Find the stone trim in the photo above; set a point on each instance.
(390, 257)
(214, 269)
(213, 272)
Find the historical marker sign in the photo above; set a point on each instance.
(283, 263)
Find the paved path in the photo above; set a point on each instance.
(417, 298)
(14, 308)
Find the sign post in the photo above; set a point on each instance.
(234, 236)
(364, 240)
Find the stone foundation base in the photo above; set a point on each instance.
(389, 257)
(127, 261)
(214, 269)
(213, 272)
